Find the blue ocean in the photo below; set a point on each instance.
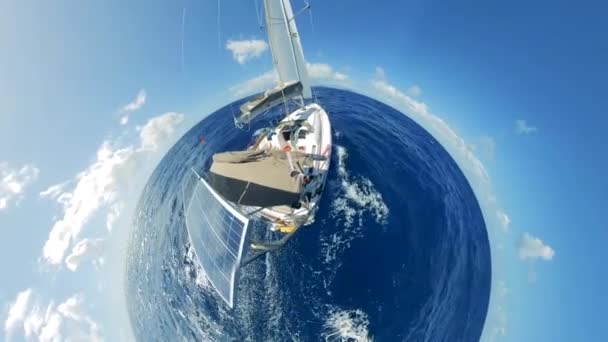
(398, 250)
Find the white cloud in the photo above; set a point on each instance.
(95, 221)
(420, 112)
(316, 71)
(82, 251)
(44, 321)
(522, 127)
(97, 208)
(132, 106)
(72, 309)
(504, 220)
(245, 50)
(14, 181)
(17, 312)
(488, 146)
(498, 330)
(380, 73)
(53, 191)
(338, 76)
(255, 85)
(100, 184)
(503, 291)
(158, 130)
(95, 187)
(322, 71)
(414, 91)
(137, 102)
(496, 219)
(531, 247)
(56, 193)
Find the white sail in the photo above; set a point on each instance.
(285, 44)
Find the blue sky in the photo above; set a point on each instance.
(513, 90)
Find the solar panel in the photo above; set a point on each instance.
(218, 233)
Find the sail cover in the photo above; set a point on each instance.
(218, 235)
(285, 44)
(254, 178)
(269, 99)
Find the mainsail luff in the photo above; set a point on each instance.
(285, 44)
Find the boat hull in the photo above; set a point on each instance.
(314, 138)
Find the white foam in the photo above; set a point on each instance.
(332, 248)
(357, 197)
(346, 325)
(274, 294)
(201, 277)
(342, 209)
(341, 161)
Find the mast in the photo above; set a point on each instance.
(288, 60)
(288, 18)
(285, 44)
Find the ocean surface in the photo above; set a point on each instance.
(398, 250)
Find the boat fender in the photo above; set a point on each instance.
(287, 229)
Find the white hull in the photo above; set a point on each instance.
(315, 142)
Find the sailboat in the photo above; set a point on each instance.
(279, 179)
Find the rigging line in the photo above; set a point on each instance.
(312, 31)
(219, 32)
(287, 23)
(312, 26)
(285, 102)
(232, 111)
(183, 35)
(184, 203)
(244, 192)
(257, 13)
(234, 117)
(306, 7)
